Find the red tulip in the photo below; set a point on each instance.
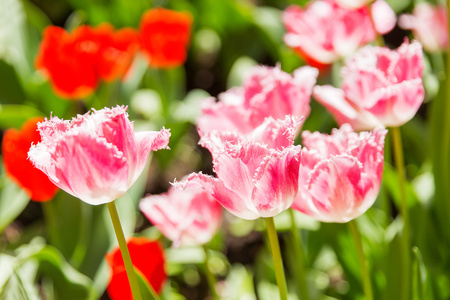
(15, 146)
(165, 37)
(76, 62)
(148, 260)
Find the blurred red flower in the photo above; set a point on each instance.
(75, 62)
(15, 146)
(148, 259)
(164, 37)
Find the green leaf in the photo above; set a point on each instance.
(11, 90)
(13, 116)
(391, 182)
(393, 263)
(241, 280)
(68, 283)
(13, 201)
(398, 5)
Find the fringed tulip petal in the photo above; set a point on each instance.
(429, 25)
(379, 87)
(325, 31)
(240, 207)
(187, 217)
(95, 157)
(340, 175)
(274, 192)
(266, 92)
(254, 180)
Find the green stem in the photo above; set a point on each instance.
(362, 260)
(48, 209)
(400, 165)
(124, 250)
(300, 259)
(209, 276)
(446, 134)
(83, 239)
(276, 254)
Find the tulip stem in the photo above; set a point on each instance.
(300, 259)
(210, 276)
(367, 286)
(400, 165)
(124, 250)
(277, 260)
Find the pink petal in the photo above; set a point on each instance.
(147, 141)
(277, 134)
(336, 191)
(85, 166)
(240, 207)
(276, 184)
(410, 62)
(236, 169)
(334, 101)
(384, 17)
(429, 24)
(222, 116)
(397, 104)
(96, 156)
(187, 217)
(271, 92)
(339, 141)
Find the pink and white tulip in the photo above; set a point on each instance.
(253, 180)
(274, 134)
(324, 31)
(186, 217)
(266, 92)
(379, 87)
(340, 175)
(429, 25)
(95, 157)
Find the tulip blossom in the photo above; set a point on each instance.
(76, 62)
(15, 146)
(379, 86)
(274, 134)
(187, 217)
(266, 92)
(324, 31)
(95, 157)
(148, 261)
(429, 25)
(254, 180)
(340, 175)
(164, 37)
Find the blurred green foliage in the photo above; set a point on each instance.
(58, 252)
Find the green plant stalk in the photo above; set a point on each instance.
(400, 165)
(277, 260)
(210, 276)
(48, 209)
(367, 286)
(124, 250)
(446, 131)
(418, 288)
(300, 259)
